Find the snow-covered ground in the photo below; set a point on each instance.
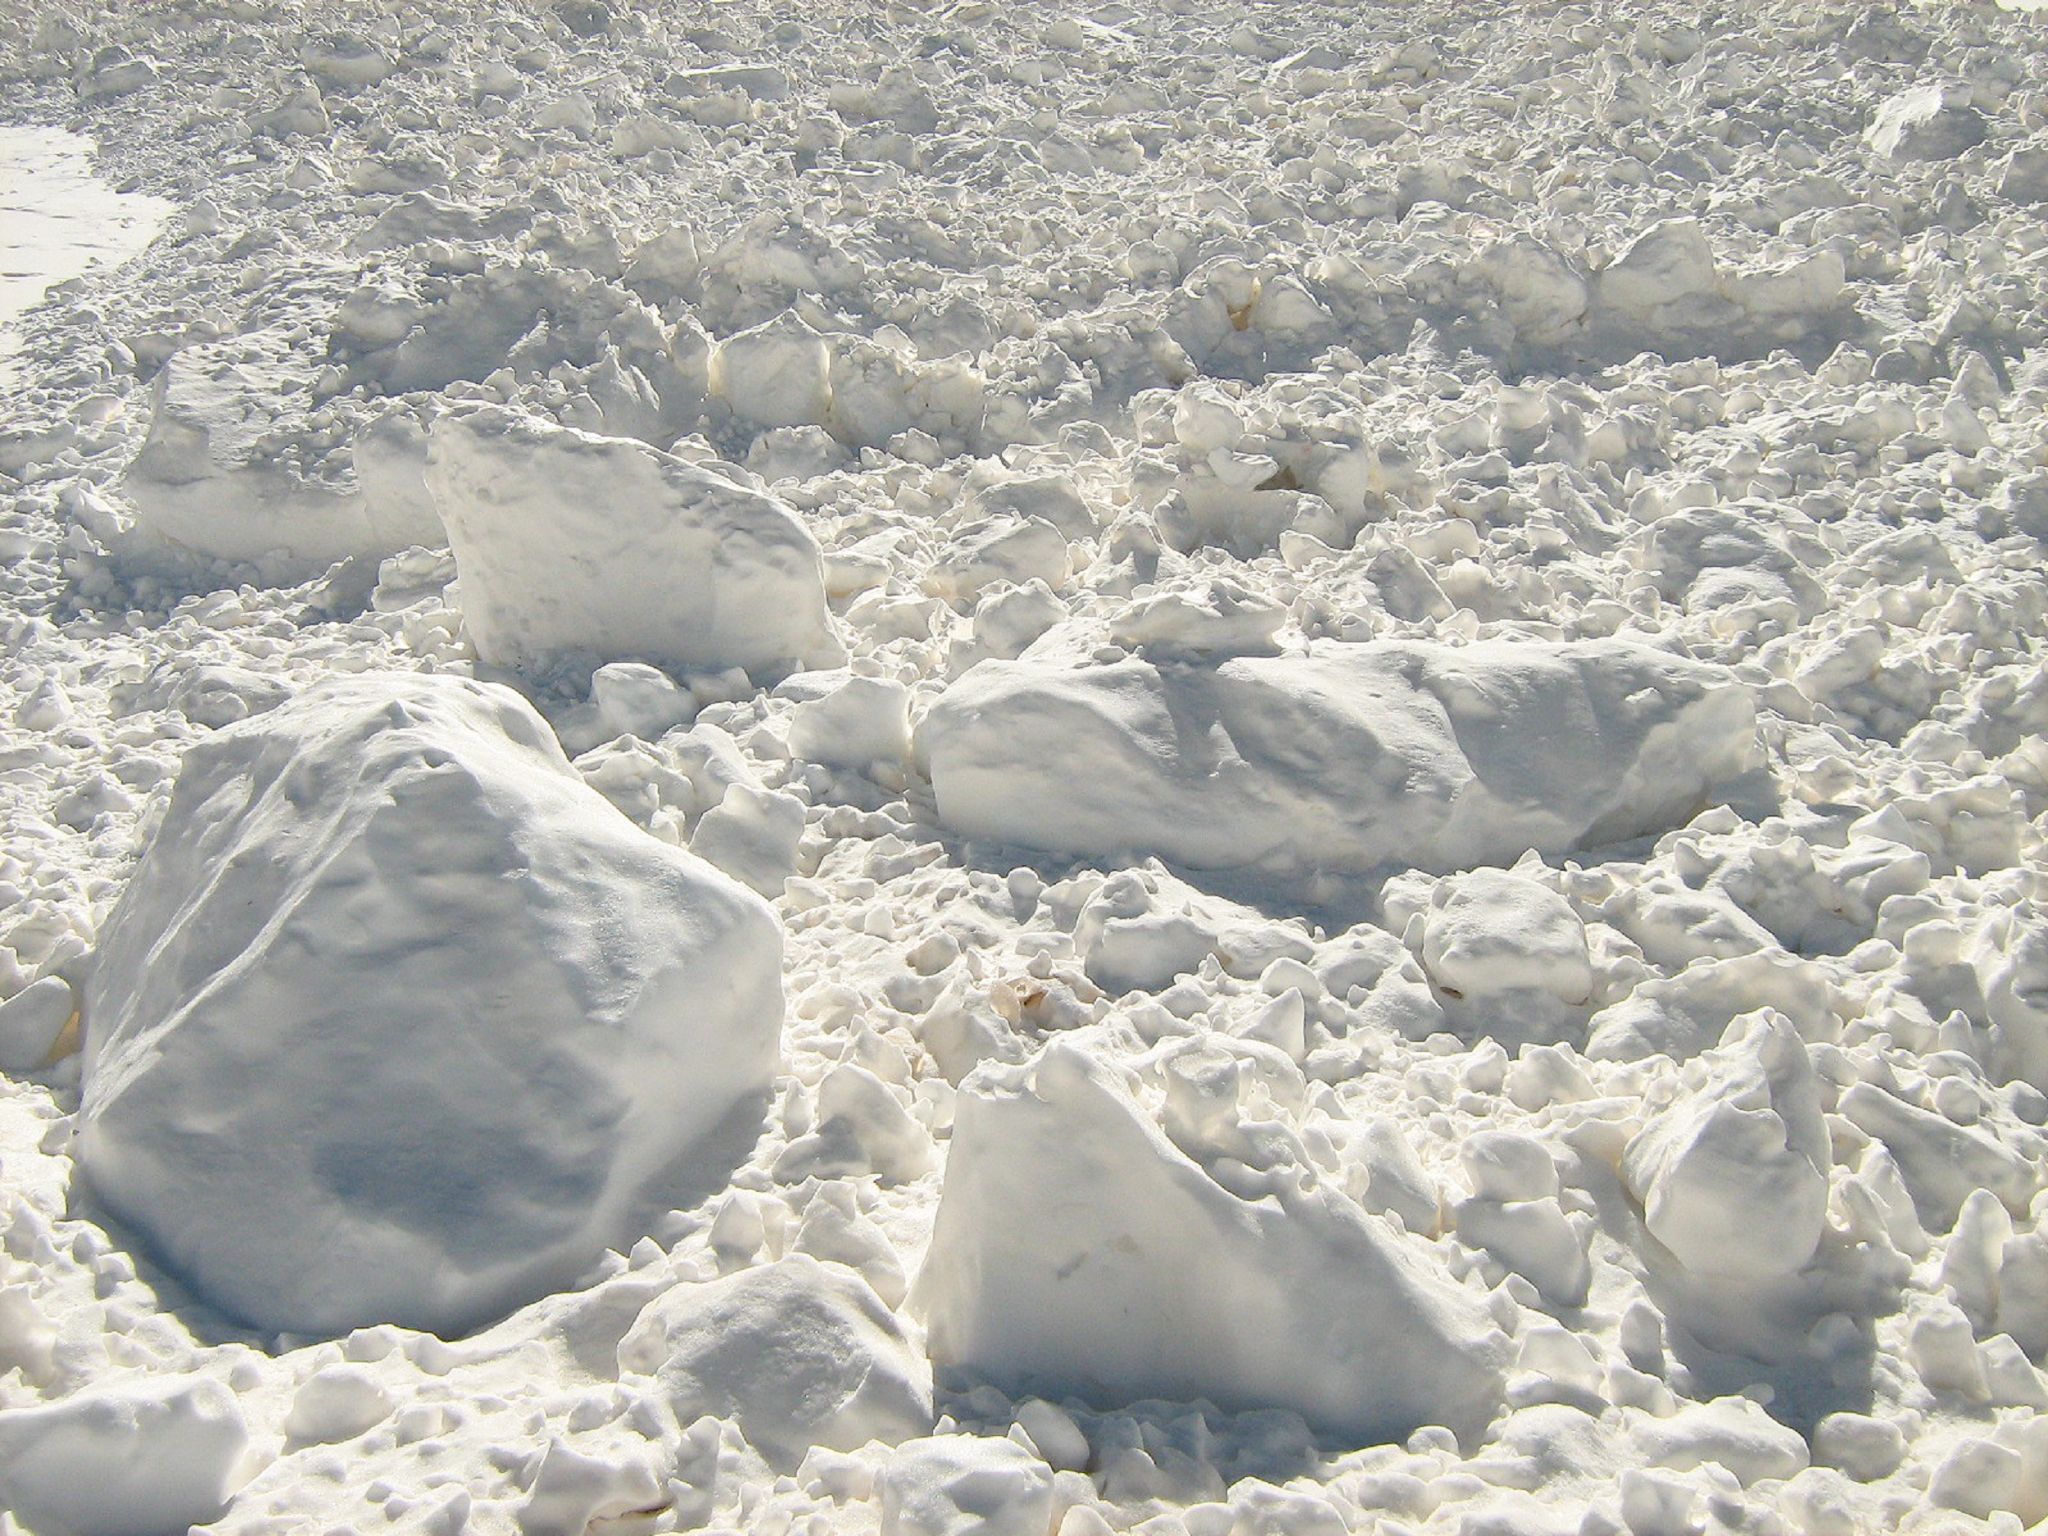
(945, 768)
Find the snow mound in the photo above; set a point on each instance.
(1080, 1249)
(1734, 1175)
(130, 1460)
(574, 548)
(398, 1021)
(800, 1353)
(1344, 757)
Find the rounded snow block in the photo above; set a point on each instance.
(131, 1460)
(575, 550)
(1343, 757)
(1078, 1252)
(399, 1021)
(799, 1352)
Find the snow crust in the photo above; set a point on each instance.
(1079, 1245)
(384, 944)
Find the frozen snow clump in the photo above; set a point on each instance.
(574, 548)
(1734, 1176)
(399, 1021)
(1343, 757)
(1080, 1250)
(129, 1460)
(965, 1485)
(800, 1353)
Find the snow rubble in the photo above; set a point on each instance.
(1275, 770)
(1347, 757)
(385, 944)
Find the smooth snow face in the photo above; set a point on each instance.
(1323, 725)
(58, 219)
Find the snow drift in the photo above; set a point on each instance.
(1345, 757)
(399, 1022)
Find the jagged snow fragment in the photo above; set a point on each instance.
(1733, 1177)
(799, 1352)
(572, 546)
(485, 1012)
(1343, 757)
(133, 1459)
(965, 1485)
(1927, 122)
(33, 1024)
(1080, 1250)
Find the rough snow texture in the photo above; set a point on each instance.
(1077, 1247)
(573, 547)
(384, 946)
(1345, 757)
(1138, 340)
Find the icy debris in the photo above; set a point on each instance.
(798, 1352)
(1080, 1250)
(1927, 122)
(1345, 757)
(1731, 1431)
(965, 1485)
(1733, 1177)
(133, 1459)
(776, 375)
(33, 1023)
(335, 1403)
(487, 1013)
(752, 834)
(573, 546)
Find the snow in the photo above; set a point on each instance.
(1343, 757)
(127, 1460)
(394, 904)
(572, 546)
(1079, 1248)
(1245, 771)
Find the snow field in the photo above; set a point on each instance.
(990, 770)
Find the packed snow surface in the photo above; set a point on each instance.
(949, 769)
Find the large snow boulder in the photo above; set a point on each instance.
(1079, 1250)
(798, 1352)
(575, 549)
(1344, 757)
(398, 1021)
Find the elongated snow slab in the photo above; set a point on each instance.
(579, 549)
(398, 1020)
(1347, 757)
(1078, 1251)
